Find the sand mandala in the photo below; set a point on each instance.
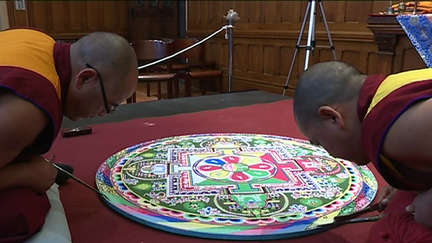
(233, 186)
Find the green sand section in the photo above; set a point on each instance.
(194, 206)
(258, 200)
(245, 188)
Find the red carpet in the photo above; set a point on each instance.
(90, 220)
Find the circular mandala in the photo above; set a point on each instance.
(233, 186)
(234, 168)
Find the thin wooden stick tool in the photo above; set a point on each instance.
(76, 178)
(353, 220)
(371, 208)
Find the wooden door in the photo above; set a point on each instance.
(153, 19)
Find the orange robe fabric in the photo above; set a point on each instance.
(36, 68)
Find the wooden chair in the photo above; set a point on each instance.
(197, 62)
(166, 40)
(176, 65)
(148, 51)
(131, 99)
(201, 62)
(187, 72)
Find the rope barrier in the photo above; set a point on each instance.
(187, 48)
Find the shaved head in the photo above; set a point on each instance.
(325, 84)
(109, 53)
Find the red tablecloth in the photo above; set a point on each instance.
(90, 220)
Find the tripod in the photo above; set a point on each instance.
(311, 42)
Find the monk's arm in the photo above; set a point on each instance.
(409, 140)
(20, 124)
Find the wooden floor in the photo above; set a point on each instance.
(141, 91)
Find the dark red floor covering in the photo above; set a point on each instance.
(90, 220)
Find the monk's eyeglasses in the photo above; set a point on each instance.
(108, 109)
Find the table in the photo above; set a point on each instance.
(90, 220)
(395, 52)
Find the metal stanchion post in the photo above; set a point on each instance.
(231, 17)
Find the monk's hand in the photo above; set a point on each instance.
(421, 208)
(41, 174)
(386, 195)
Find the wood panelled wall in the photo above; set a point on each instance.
(266, 36)
(149, 22)
(133, 20)
(72, 19)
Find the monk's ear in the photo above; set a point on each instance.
(84, 76)
(330, 115)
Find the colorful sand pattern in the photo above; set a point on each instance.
(233, 186)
